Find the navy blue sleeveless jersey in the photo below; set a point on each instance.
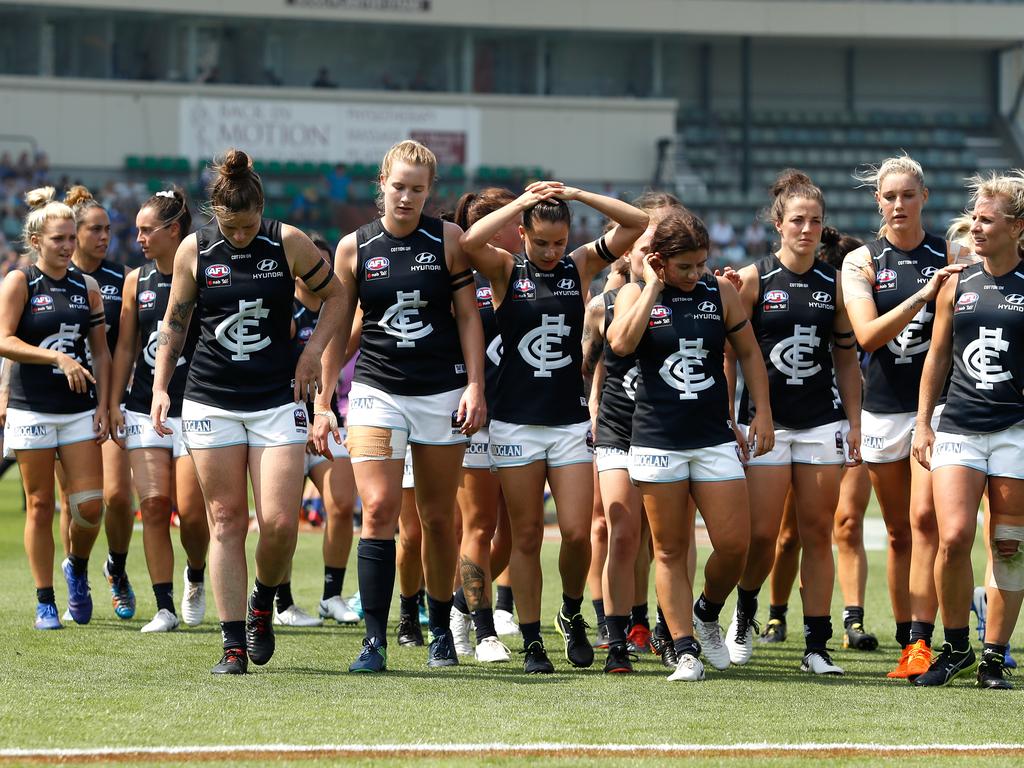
(986, 392)
(540, 381)
(243, 361)
(793, 321)
(109, 276)
(151, 295)
(492, 338)
(305, 320)
(410, 341)
(682, 397)
(893, 375)
(618, 391)
(55, 317)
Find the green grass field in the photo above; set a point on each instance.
(105, 685)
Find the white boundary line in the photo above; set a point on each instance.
(544, 748)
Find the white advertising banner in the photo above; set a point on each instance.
(320, 131)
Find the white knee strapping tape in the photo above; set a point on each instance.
(1008, 572)
(82, 497)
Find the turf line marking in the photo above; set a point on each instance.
(540, 749)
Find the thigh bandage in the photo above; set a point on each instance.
(365, 443)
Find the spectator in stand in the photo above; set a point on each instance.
(721, 233)
(323, 79)
(755, 239)
(339, 185)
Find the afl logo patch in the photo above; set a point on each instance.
(484, 296)
(146, 297)
(42, 303)
(109, 290)
(707, 306)
(566, 284)
(300, 419)
(377, 268)
(266, 265)
(425, 258)
(660, 315)
(776, 301)
(966, 303)
(524, 288)
(218, 275)
(305, 333)
(822, 297)
(885, 280)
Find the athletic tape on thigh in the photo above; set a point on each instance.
(1008, 572)
(365, 442)
(82, 497)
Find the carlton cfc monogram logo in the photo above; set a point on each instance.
(789, 355)
(495, 350)
(629, 382)
(63, 341)
(910, 342)
(684, 370)
(233, 332)
(401, 319)
(978, 358)
(539, 347)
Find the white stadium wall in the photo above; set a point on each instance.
(96, 123)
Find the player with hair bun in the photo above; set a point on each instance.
(796, 307)
(242, 412)
(163, 473)
(57, 406)
(92, 237)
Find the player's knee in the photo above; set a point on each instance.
(1008, 558)
(86, 508)
(155, 510)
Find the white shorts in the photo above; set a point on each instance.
(425, 419)
(700, 465)
(997, 454)
(27, 430)
(609, 458)
(887, 437)
(139, 433)
(338, 451)
(478, 452)
(207, 426)
(516, 445)
(818, 445)
(407, 476)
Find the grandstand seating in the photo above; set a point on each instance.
(830, 147)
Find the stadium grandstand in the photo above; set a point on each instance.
(705, 99)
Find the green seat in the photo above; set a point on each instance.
(274, 168)
(292, 168)
(133, 163)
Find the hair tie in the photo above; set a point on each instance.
(165, 193)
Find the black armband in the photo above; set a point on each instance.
(602, 250)
(462, 282)
(845, 346)
(323, 283)
(737, 327)
(459, 276)
(846, 335)
(96, 319)
(320, 265)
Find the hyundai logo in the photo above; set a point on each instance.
(76, 299)
(929, 271)
(266, 265)
(109, 290)
(425, 258)
(1015, 298)
(708, 306)
(566, 284)
(822, 296)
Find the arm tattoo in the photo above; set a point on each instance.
(914, 303)
(473, 584)
(180, 312)
(163, 339)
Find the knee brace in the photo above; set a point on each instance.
(1008, 570)
(74, 499)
